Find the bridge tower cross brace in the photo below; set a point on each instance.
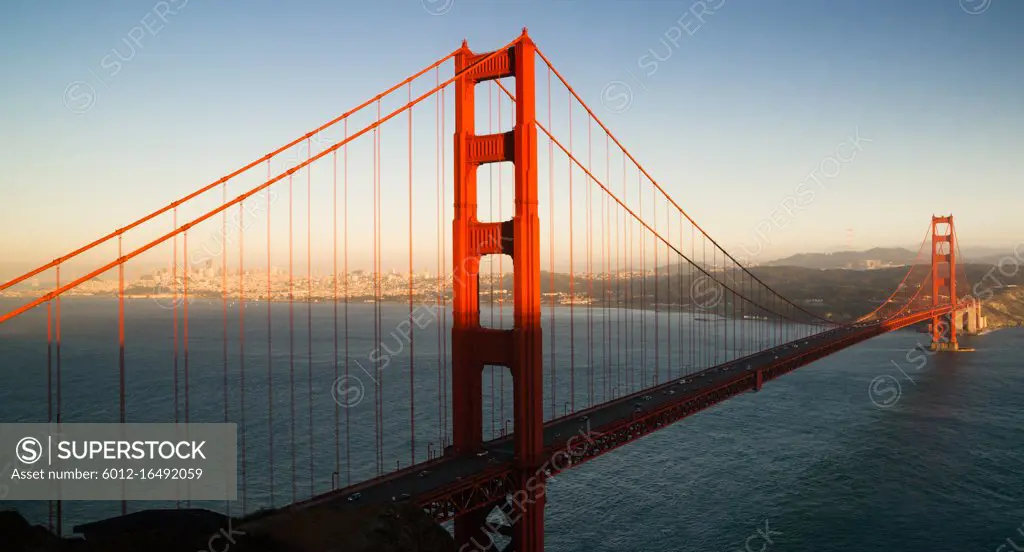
(943, 280)
(520, 348)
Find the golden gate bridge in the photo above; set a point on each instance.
(625, 315)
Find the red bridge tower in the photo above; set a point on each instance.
(473, 346)
(943, 281)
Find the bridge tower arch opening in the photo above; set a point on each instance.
(519, 348)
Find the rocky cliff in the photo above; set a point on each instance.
(400, 527)
(1005, 309)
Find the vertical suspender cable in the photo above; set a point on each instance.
(605, 267)
(376, 325)
(291, 327)
(657, 332)
(241, 349)
(640, 304)
(60, 402)
(224, 306)
(184, 285)
(444, 264)
(590, 273)
(334, 286)
(49, 384)
(174, 306)
(439, 242)
(412, 333)
(309, 306)
(120, 338)
(572, 282)
(270, 355)
(344, 269)
(184, 305)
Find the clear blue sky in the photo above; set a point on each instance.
(736, 116)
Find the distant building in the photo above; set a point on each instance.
(866, 264)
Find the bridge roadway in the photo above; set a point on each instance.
(450, 485)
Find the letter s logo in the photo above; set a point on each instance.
(29, 450)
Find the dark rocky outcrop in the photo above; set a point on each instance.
(16, 534)
(397, 527)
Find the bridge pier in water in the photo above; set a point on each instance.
(519, 349)
(971, 320)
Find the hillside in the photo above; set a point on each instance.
(1005, 309)
(847, 294)
(839, 294)
(879, 256)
